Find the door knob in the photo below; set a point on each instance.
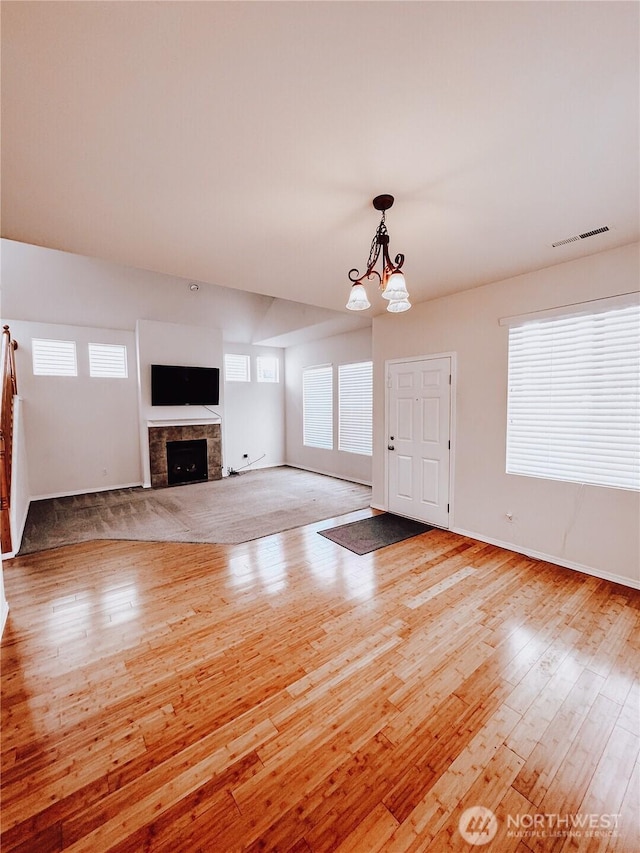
(390, 447)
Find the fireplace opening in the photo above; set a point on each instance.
(186, 461)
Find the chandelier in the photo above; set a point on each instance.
(391, 280)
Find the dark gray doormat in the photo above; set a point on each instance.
(368, 535)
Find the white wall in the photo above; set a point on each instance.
(81, 433)
(255, 415)
(51, 286)
(591, 528)
(339, 349)
(58, 287)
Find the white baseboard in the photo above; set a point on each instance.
(17, 535)
(550, 558)
(246, 469)
(539, 555)
(328, 474)
(86, 491)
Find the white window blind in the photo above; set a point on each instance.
(267, 368)
(237, 368)
(53, 358)
(355, 407)
(108, 361)
(574, 398)
(317, 407)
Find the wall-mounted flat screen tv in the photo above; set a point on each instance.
(184, 386)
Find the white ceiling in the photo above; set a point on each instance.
(241, 143)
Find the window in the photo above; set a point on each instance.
(108, 361)
(574, 398)
(237, 368)
(267, 368)
(54, 358)
(317, 407)
(355, 404)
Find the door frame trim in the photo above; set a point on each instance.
(452, 422)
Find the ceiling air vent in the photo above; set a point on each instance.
(581, 236)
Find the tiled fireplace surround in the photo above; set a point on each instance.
(160, 435)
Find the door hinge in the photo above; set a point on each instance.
(447, 508)
(449, 445)
(449, 379)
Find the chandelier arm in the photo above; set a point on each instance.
(358, 279)
(374, 254)
(387, 266)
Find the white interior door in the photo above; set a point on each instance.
(419, 440)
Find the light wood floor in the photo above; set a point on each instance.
(286, 694)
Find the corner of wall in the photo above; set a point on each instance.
(20, 498)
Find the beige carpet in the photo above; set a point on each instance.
(229, 511)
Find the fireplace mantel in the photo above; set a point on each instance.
(184, 422)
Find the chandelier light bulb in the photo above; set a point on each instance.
(396, 287)
(396, 306)
(358, 300)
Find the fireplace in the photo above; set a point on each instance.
(186, 461)
(195, 451)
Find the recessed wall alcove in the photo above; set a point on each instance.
(159, 436)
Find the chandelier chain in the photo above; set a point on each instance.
(375, 243)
